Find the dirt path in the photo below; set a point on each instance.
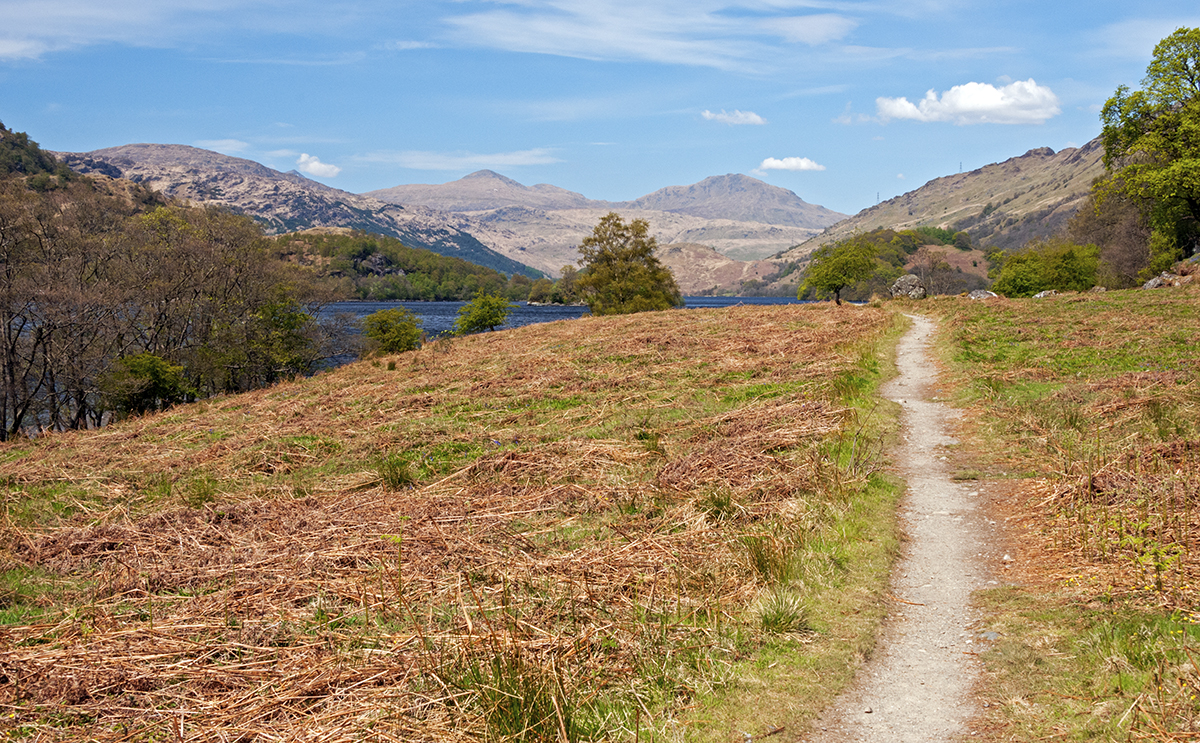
(917, 686)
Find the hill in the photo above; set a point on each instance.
(282, 202)
(1002, 205)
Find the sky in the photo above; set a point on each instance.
(844, 102)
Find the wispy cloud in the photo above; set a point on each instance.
(734, 117)
(33, 28)
(820, 28)
(224, 146)
(789, 163)
(421, 160)
(1021, 102)
(313, 166)
(723, 34)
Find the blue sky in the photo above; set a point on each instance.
(842, 102)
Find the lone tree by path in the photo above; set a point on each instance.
(834, 267)
(621, 274)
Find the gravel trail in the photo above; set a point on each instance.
(918, 684)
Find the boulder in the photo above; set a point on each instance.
(1047, 293)
(982, 294)
(909, 286)
(1166, 278)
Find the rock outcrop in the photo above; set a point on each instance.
(908, 285)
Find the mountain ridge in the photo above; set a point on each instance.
(282, 202)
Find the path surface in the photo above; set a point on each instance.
(917, 686)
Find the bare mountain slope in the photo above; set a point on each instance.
(284, 202)
(1001, 205)
(740, 198)
(486, 190)
(741, 217)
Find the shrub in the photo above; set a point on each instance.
(1053, 263)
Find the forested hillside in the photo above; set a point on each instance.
(378, 267)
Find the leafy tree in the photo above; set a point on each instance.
(621, 274)
(1152, 146)
(1053, 263)
(484, 312)
(838, 265)
(393, 330)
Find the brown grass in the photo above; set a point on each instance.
(237, 570)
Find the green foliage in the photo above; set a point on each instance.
(484, 312)
(839, 265)
(382, 268)
(20, 155)
(1053, 263)
(143, 383)
(621, 274)
(393, 330)
(1152, 146)
(936, 234)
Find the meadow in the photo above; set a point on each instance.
(1084, 418)
(657, 526)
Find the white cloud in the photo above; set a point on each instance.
(1021, 102)
(790, 163)
(313, 166)
(816, 29)
(421, 160)
(404, 46)
(734, 117)
(224, 146)
(722, 34)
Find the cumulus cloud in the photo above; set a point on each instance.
(311, 165)
(734, 117)
(789, 163)
(1020, 102)
(422, 160)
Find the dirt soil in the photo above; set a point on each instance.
(918, 684)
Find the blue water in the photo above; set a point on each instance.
(439, 317)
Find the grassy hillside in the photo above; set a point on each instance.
(1085, 425)
(610, 520)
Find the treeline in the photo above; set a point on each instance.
(380, 268)
(113, 301)
(893, 253)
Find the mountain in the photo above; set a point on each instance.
(1003, 205)
(283, 202)
(741, 217)
(739, 198)
(486, 190)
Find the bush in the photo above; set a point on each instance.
(1042, 265)
(393, 330)
(144, 383)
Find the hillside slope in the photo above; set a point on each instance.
(740, 217)
(283, 202)
(1001, 205)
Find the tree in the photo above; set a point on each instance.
(838, 265)
(1152, 147)
(621, 274)
(484, 312)
(393, 330)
